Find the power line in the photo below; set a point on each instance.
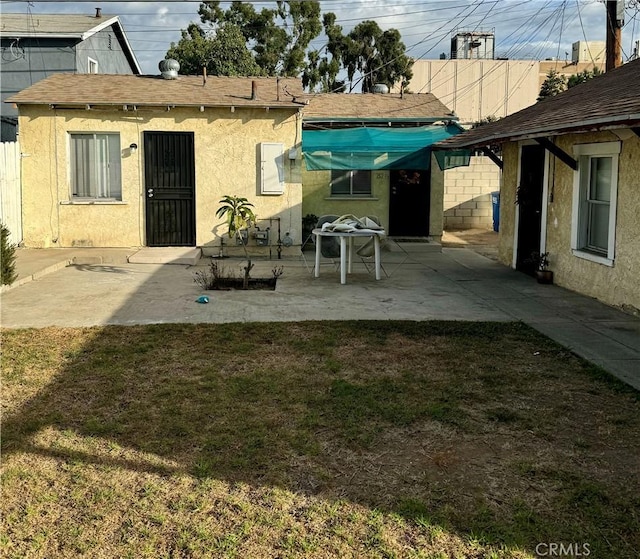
(494, 13)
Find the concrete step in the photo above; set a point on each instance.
(188, 256)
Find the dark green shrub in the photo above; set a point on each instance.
(7, 258)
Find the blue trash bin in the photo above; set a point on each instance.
(495, 201)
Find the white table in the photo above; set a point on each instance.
(346, 248)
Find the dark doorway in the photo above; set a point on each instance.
(409, 203)
(529, 199)
(169, 177)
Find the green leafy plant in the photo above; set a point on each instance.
(540, 260)
(8, 272)
(239, 215)
(582, 77)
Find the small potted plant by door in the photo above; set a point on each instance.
(541, 260)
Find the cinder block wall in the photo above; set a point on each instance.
(467, 195)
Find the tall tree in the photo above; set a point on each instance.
(377, 56)
(368, 54)
(224, 53)
(278, 37)
(193, 50)
(324, 65)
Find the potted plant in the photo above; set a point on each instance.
(541, 262)
(238, 212)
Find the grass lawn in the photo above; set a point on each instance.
(333, 439)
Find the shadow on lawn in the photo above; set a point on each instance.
(366, 412)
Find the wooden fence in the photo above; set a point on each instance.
(10, 189)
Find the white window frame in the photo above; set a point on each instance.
(92, 66)
(584, 154)
(101, 175)
(351, 176)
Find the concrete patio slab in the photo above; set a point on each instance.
(455, 284)
(187, 256)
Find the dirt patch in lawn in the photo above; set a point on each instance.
(333, 439)
(228, 284)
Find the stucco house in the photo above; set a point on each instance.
(571, 185)
(124, 160)
(370, 154)
(35, 46)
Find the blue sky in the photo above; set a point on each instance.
(524, 29)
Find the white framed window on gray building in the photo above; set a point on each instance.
(595, 192)
(92, 66)
(95, 166)
(355, 183)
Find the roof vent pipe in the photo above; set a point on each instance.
(254, 90)
(169, 68)
(98, 12)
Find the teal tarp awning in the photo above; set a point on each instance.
(372, 148)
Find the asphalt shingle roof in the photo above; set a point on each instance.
(53, 25)
(109, 89)
(375, 105)
(118, 90)
(610, 100)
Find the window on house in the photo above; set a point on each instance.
(350, 183)
(95, 166)
(595, 192)
(93, 66)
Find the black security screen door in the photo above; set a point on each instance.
(530, 206)
(169, 173)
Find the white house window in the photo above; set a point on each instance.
(92, 66)
(350, 183)
(594, 203)
(95, 166)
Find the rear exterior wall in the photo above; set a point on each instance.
(615, 285)
(226, 163)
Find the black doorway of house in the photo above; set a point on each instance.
(529, 200)
(409, 203)
(169, 176)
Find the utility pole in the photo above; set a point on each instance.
(615, 21)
